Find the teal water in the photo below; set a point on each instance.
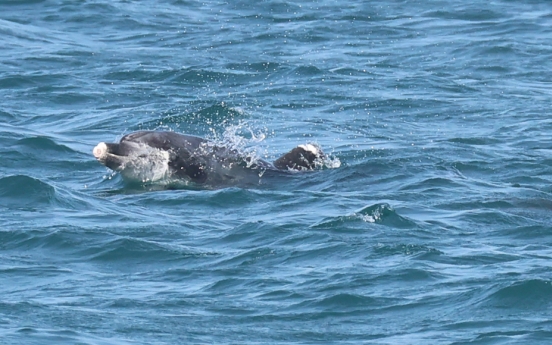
(435, 228)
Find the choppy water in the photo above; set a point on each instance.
(435, 229)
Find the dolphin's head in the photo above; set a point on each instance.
(137, 162)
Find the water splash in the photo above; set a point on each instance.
(242, 139)
(374, 213)
(330, 161)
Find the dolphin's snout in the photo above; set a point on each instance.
(100, 151)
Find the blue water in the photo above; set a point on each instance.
(433, 228)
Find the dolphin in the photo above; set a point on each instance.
(151, 156)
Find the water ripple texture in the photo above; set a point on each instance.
(429, 224)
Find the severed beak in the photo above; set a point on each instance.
(100, 151)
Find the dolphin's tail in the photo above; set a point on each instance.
(303, 157)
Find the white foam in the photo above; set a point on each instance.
(310, 148)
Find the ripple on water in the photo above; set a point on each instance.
(435, 229)
(40, 146)
(134, 250)
(533, 295)
(22, 191)
(382, 214)
(420, 250)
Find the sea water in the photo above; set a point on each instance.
(433, 228)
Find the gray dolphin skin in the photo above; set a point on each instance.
(150, 156)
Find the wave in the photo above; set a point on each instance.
(382, 214)
(475, 141)
(344, 302)
(434, 184)
(38, 195)
(188, 76)
(22, 191)
(138, 251)
(466, 13)
(531, 295)
(421, 251)
(37, 146)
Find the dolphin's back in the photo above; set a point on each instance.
(165, 140)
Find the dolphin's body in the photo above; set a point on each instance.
(151, 156)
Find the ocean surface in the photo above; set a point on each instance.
(431, 225)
